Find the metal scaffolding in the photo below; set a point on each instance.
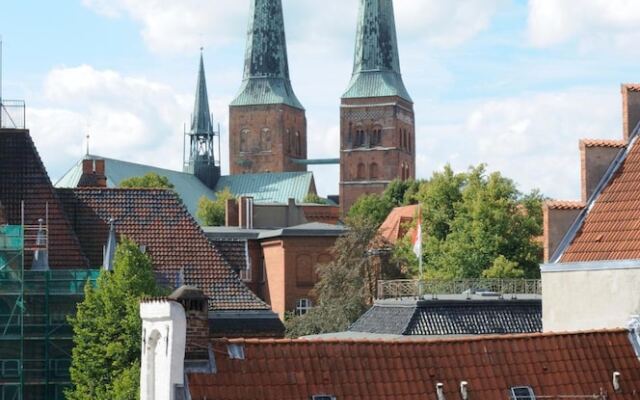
(35, 336)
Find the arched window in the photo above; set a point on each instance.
(373, 171)
(303, 306)
(287, 140)
(409, 141)
(298, 144)
(244, 140)
(376, 136)
(360, 137)
(265, 140)
(361, 171)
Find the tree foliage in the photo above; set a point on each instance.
(376, 208)
(106, 355)
(148, 181)
(212, 212)
(313, 198)
(345, 287)
(475, 221)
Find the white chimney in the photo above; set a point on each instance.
(464, 390)
(164, 334)
(616, 381)
(440, 391)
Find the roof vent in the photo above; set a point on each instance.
(323, 397)
(464, 390)
(522, 393)
(235, 351)
(616, 381)
(440, 391)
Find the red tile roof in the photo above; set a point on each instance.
(24, 178)
(564, 205)
(552, 364)
(394, 227)
(158, 220)
(603, 143)
(611, 230)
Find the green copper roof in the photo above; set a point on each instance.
(376, 66)
(264, 188)
(266, 67)
(269, 187)
(201, 119)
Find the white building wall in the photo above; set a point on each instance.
(164, 332)
(587, 296)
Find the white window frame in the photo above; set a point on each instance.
(303, 306)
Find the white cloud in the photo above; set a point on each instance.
(127, 117)
(180, 26)
(593, 23)
(531, 138)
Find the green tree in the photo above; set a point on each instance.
(106, 355)
(212, 212)
(148, 181)
(345, 287)
(313, 198)
(503, 269)
(376, 208)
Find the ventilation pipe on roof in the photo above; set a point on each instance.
(41, 255)
(464, 390)
(440, 391)
(616, 381)
(110, 248)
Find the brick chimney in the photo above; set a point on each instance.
(231, 210)
(558, 217)
(245, 211)
(630, 108)
(595, 158)
(93, 174)
(197, 312)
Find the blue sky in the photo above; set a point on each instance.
(511, 83)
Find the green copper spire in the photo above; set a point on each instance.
(201, 122)
(266, 69)
(376, 66)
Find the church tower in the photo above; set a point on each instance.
(377, 126)
(202, 161)
(267, 123)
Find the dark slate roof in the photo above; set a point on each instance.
(376, 67)
(23, 177)
(453, 317)
(258, 324)
(575, 365)
(234, 251)
(180, 252)
(266, 71)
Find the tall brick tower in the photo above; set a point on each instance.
(377, 126)
(267, 123)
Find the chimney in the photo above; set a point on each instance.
(93, 174)
(440, 391)
(630, 109)
(558, 217)
(245, 211)
(595, 158)
(231, 217)
(195, 304)
(164, 334)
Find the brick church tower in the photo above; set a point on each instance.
(377, 126)
(267, 123)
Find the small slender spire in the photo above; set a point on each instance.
(376, 65)
(110, 247)
(201, 122)
(266, 68)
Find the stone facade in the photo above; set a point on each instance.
(377, 145)
(266, 138)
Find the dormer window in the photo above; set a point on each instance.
(522, 393)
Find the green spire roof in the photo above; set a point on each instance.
(201, 122)
(376, 66)
(266, 70)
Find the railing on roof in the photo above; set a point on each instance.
(405, 288)
(12, 114)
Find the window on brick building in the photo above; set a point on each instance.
(265, 140)
(522, 393)
(360, 137)
(298, 144)
(303, 306)
(244, 140)
(361, 171)
(376, 136)
(373, 171)
(401, 139)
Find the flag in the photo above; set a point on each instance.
(417, 237)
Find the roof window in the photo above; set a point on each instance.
(522, 393)
(323, 397)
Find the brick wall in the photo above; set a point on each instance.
(264, 138)
(377, 145)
